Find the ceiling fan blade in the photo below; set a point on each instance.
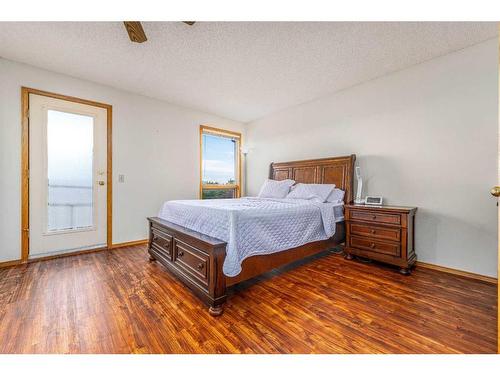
(190, 23)
(135, 31)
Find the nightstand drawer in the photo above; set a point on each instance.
(375, 246)
(386, 233)
(383, 218)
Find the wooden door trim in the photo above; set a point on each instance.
(498, 212)
(25, 92)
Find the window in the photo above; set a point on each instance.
(220, 163)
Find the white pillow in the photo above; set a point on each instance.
(336, 196)
(317, 192)
(275, 189)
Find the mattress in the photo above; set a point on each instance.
(255, 226)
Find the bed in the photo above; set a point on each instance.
(212, 245)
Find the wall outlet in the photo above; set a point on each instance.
(121, 178)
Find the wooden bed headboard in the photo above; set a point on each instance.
(338, 171)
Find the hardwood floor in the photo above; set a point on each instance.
(118, 302)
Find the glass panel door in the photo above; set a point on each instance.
(70, 185)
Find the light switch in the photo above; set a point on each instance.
(121, 178)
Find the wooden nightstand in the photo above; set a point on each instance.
(382, 233)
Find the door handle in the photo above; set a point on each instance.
(101, 183)
(495, 191)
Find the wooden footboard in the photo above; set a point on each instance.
(196, 259)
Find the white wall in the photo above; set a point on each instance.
(424, 136)
(155, 144)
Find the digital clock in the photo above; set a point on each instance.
(374, 201)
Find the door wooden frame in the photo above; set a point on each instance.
(498, 213)
(25, 92)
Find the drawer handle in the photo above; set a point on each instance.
(373, 231)
(200, 266)
(181, 253)
(372, 245)
(155, 238)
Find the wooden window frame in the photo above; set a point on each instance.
(25, 92)
(205, 129)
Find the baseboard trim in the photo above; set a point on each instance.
(70, 254)
(453, 271)
(10, 263)
(17, 262)
(49, 257)
(130, 243)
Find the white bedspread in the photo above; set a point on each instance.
(254, 226)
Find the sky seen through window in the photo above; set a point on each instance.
(219, 154)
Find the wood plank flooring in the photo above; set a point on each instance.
(118, 302)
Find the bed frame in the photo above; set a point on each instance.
(197, 259)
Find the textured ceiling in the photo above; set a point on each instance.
(239, 70)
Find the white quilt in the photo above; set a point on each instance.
(254, 226)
